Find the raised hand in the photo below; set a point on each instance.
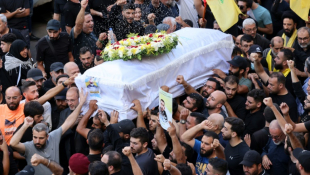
(102, 116)
(284, 108)
(171, 130)
(103, 36)
(83, 96)
(184, 113)
(247, 139)
(206, 125)
(288, 128)
(202, 22)
(159, 158)
(127, 151)
(167, 164)
(114, 117)
(290, 64)
(137, 105)
(28, 121)
(84, 4)
(215, 144)
(180, 79)
(219, 73)
(93, 105)
(268, 101)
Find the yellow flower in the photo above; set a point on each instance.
(122, 49)
(134, 50)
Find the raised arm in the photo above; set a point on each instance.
(189, 136)
(140, 120)
(259, 69)
(15, 141)
(199, 7)
(55, 168)
(279, 117)
(5, 158)
(78, 28)
(290, 64)
(187, 87)
(54, 91)
(134, 165)
(73, 116)
(172, 169)
(81, 128)
(177, 148)
(160, 138)
(294, 141)
(182, 124)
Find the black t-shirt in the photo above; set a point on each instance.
(234, 155)
(13, 166)
(71, 11)
(11, 6)
(62, 47)
(147, 163)
(82, 69)
(48, 84)
(290, 101)
(238, 106)
(259, 139)
(254, 122)
(94, 157)
(27, 135)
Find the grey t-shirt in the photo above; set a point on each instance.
(147, 163)
(51, 151)
(247, 82)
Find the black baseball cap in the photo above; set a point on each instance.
(251, 157)
(35, 74)
(124, 126)
(62, 94)
(303, 157)
(28, 170)
(255, 49)
(53, 25)
(238, 61)
(56, 66)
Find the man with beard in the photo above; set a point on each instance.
(214, 104)
(275, 161)
(250, 28)
(30, 92)
(86, 58)
(208, 147)
(254, 120)
(252, 164)
(289, 31)
(236, 147)
(12, 114)
(56, 69)
(270, 54)
(303, 162)
(61, 104)
(36, 75)
(193, 102)
(44, 143)
(125, 24)
(56, 46)
(163, 113)
(235, 104)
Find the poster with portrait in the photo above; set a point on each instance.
(165, 109)
(92, 86)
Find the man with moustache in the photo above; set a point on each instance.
(214, 104)
(289, 31)
(252, 164)
(86, 58)
(56, 46)
(60, 105)
(163, 113)
(44, 143)
(206, 148)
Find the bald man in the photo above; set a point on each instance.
(270, 54)
(218, 123)
(71, 68)
(214, 103)
(275, 161)
(12, 113)
(238, 42)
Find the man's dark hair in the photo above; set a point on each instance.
(299, 136)
(184, 169)
(98, 168)
(140, 133)
(217, 83)
(8, 38)
(198, 117)
(27, 84)
(257, 94)
(237, 125)
(85, 49)
(236, 51)
(87, 13)
(188, 22)
(154, 112)
(280, 77)
(61, 76)
(115, 160)
(129, 6)
(33, 108)
(175, 106)
(268, 113)
(288, 54)
(231, 79)
(247, 38)
(248, 3)
(290, 15)
(219, 165)
(188, 149)
(198, 101)
(211, 134)
(95, 140)
(98, 58)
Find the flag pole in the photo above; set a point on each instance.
(205, 9)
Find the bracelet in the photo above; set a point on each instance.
(101, 41)
(49, 161)
(64, 84)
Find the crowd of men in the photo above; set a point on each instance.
(253, 119)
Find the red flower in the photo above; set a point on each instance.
(138, 36)
(160, 36)
(151, 35)
(148, 43)
(117, 43)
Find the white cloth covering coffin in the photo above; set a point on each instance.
(199, 51)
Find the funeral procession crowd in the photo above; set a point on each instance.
(252, 120)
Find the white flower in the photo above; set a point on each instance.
(120, 53)
(110, 53)
(129, 53)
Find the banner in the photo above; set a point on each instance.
(165, 109)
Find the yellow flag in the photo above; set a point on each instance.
(226, 12)
(301, 8)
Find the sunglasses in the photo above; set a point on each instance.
(240, 7)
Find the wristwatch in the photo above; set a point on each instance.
(64, 84)
(182, 121)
